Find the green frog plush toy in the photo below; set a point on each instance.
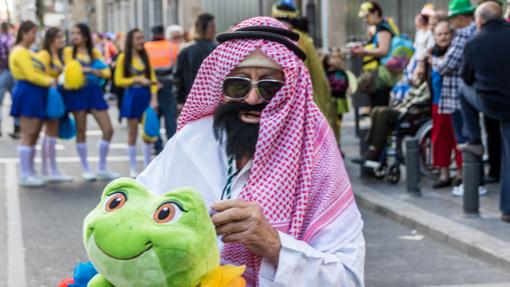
(136, 238)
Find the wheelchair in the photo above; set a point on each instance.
(392, 158)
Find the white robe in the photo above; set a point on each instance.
(194, 158)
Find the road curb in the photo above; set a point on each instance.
(467, 240)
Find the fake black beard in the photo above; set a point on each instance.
(241, 137)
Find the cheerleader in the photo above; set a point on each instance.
(134, 73)
(89, 98)
(29, 99)
(52, 59)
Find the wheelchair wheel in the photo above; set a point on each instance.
(424, 136)
(394, 174)
(380, 172)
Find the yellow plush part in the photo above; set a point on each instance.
(73, 76)
(225, 276)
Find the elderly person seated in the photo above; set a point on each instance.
(253, 142)
(384, 119)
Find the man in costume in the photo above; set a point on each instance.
(254, 144)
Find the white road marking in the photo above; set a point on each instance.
(100, 133)
(112, 146)
(14, 160)
(15, 249)
(118, 146)
(57, 147)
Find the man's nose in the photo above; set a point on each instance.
(253, 97)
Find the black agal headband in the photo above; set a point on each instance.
(274, 34)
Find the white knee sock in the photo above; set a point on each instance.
(24, 153)
(132, 156)
(103, 152)
(147, 153)
(52, 155)
(32, 160)
(44, 155)
(82, 152)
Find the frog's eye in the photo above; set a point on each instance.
(115, 201)
(167, 213)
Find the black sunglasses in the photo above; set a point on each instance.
(238, 88)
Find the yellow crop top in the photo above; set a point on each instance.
(26, 65)
(137, 65)
(53, 65)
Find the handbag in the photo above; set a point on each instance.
(54, 104)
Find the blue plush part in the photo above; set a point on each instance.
(67, 127)
(151, 123)
(97, 65)
(288, 3)
(83, 273)
(55, 104)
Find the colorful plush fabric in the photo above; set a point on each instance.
(297, 173)
(135, 238)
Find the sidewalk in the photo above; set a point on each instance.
(436, 213)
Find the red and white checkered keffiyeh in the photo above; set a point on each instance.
(297, 176)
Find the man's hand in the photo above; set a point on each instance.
(244, 222)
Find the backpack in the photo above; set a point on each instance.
(401, 49)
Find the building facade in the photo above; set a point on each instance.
(24, 10)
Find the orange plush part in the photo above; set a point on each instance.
(225, 276)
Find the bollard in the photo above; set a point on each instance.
(363, 146)
(413, 167)
(471, 179)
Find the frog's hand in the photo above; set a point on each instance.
(225, 276)
(99, 281)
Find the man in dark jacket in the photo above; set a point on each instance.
(191, 57)
(485, 71)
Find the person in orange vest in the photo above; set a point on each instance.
(162, 57)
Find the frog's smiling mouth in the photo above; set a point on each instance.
(148, 246)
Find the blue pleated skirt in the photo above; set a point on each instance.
(29, 100)
(91, 96)
(135, 101)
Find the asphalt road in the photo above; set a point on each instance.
(49, 243)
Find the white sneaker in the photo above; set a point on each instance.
(107, 175)
(133, 173)
(31, 181)
(459, 190)
(88, 176)
(41, 177)
(59, 178)
(482, 190)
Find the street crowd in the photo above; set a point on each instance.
(457, 72)
(252, 118)
(138, 73)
